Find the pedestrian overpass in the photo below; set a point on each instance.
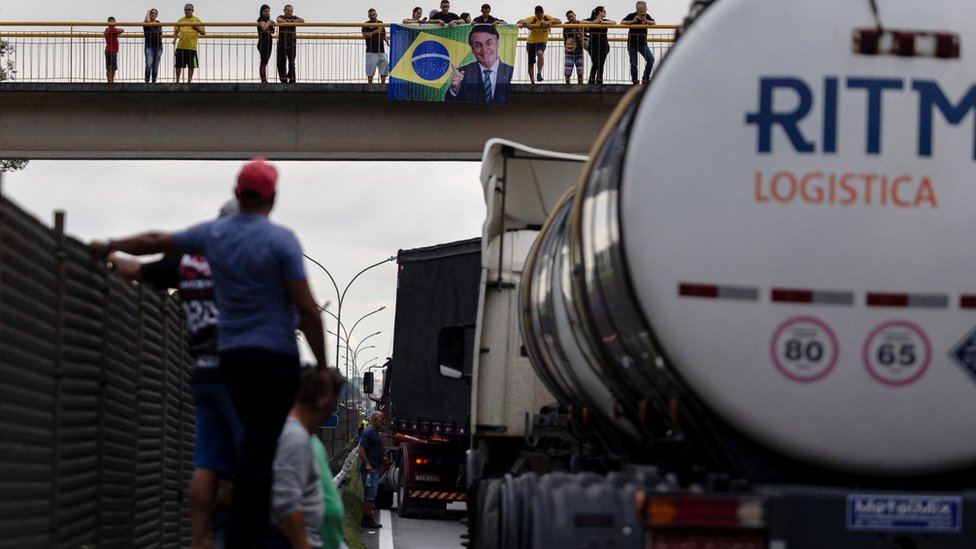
(224, 121)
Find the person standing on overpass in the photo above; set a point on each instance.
(637, 41)
(186, 32)
(376, 57)
(261, 287)
(539, 26)
(266, 29)
(287, 44)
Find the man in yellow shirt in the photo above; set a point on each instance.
(539, 26)
(185, 34)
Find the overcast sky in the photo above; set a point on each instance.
(347, 215)
(664, 12)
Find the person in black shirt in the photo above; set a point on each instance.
(445, 16)
(287, 44)
(376, 56)
(486, 17)
(266, 30)
(637, 41)
(218, 429)
(599, 45)
(154, 44)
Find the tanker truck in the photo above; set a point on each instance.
(746, 319)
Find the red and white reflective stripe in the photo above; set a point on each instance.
(906, 43)
(447, 496)
(747, 293)
(928, 301)
(824, 297)
(820, 297)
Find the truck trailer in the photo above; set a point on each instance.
(744, 319)
(428, 415)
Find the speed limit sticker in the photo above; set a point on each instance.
(897, 353)
(804, 348)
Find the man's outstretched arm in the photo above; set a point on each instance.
(141, 244)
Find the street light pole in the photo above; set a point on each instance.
(342, 296)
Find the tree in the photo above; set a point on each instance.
(7, 72)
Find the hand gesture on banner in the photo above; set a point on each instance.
(456, 77)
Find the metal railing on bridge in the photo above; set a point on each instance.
(327, 53)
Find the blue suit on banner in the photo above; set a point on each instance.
(487, 79)
(472, 89)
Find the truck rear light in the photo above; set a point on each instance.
(714, 540)
(421, 461)
(700, 511)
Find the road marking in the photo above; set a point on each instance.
(386, 532)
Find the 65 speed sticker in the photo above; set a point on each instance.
(897, 353)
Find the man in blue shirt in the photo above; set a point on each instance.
(370, 463)
(260, 286)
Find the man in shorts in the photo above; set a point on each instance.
(186, 32)
(112, 49)
(573, 44)
(539, 26)
(370, 464)
(376, 41)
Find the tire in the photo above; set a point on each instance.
(402, 503)
(384, 498)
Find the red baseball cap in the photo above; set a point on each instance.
(259, 177)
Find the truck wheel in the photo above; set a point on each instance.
(402, 502)
(384, 498)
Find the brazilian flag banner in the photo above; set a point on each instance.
(466, 63)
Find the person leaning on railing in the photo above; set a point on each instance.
(598, 46)
(266, 29)
(153, 36)
(186, 32)
(574, 42)
(637, 41)
(287, 44)
(416, 18)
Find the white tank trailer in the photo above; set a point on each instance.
(756, 311)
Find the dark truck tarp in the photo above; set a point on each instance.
(437, 286)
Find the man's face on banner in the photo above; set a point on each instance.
(484, 45)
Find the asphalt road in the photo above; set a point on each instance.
(417, 533)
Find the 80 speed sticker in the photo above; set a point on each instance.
(804, 349)
(897, 353)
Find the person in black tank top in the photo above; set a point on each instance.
(266, 30)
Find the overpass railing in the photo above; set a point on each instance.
(327, 53)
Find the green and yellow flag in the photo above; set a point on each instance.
(422, 58)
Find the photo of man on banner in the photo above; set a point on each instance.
(486, 80)
(465, 63)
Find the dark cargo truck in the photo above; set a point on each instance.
(428, 415)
